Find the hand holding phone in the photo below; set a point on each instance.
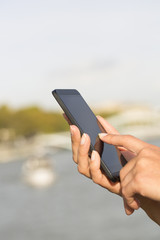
(79, 114)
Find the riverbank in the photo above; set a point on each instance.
(43, 144)
(39, 145)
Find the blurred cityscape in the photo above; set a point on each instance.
(25, 141)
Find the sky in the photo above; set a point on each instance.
(108, 50)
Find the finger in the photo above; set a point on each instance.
(128, 185)
(128, 193)
(99, 178)
(107, 126)
(131, 143)
(75, 138)
(128, 210)
(83, 159)
(109, 129)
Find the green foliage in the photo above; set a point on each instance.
(31, 120)
(5, 116)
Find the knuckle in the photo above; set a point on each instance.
(140, 164)
(123, 191)
(80, 169)
(145, 151)
(122, 184)
(95, 180)
(138, 183)
(83, 151)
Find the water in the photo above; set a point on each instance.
(73, 208)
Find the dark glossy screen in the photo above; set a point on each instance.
(87, 122)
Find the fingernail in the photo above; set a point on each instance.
(102, 135)
(83, 139)
(71, 130)
(93, 155)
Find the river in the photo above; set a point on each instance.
(72, 209)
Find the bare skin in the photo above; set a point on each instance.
(139, 178)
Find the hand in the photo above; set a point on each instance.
(140, 177)
(91, 168)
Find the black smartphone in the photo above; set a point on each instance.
(80, 114)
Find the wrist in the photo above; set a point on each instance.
(151, 207)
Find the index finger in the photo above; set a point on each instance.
(107, 126)
(129, 142)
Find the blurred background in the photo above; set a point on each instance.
(109, 51)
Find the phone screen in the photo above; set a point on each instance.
(87, 122)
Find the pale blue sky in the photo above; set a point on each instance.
(108, 50)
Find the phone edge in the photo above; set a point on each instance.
(103, 165)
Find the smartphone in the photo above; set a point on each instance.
(79, 113)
